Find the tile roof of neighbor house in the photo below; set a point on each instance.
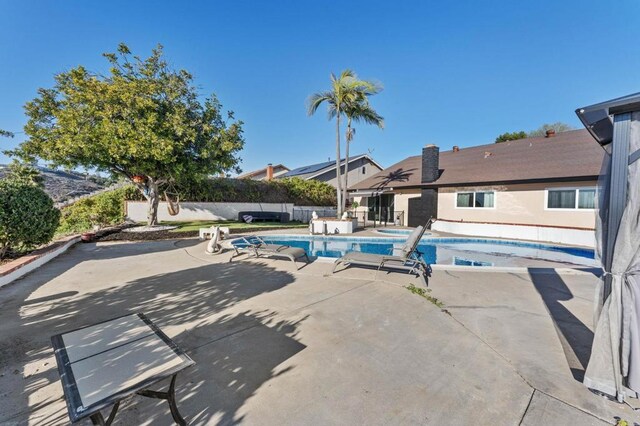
(320, 167)
(261, 171)
(565, 156)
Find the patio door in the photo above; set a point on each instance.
(381, 208)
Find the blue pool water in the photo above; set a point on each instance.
(450, 251)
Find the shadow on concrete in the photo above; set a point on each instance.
(576, 338)
(235, 354)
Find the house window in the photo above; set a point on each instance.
(571, 198)
(364, 169)
(479, 199)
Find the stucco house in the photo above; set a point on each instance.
(265, 173)
(361, 167)
(541, 188)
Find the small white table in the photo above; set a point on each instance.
(104, 363)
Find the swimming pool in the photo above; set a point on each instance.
(448, 251)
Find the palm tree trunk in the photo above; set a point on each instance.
(338, 177)
(345, 195)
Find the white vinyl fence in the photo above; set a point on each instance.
(137, 210)
(303, 213)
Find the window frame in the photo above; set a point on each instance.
(495, 200)
(575, 208)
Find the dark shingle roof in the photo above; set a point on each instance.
(566, 156)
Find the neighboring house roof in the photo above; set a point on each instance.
(277, 168)
(314, 170)
(565, 156)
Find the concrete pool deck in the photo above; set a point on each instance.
(275, 345)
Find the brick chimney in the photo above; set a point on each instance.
(430, 163)
(269, 171)
(421, 209)
(550, 133)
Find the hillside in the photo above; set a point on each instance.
(62, 185)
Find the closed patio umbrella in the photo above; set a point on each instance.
(614, 366)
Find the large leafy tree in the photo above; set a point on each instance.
(347, 97)
(511, 136)
(143, 120)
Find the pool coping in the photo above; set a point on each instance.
(577, 269)
(499, 241)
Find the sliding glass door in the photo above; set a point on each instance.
(381, 208)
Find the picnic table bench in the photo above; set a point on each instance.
(102, 364)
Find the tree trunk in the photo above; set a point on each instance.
(338, 177)
(153, 199)
(345, 195)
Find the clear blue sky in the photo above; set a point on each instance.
(455, 73)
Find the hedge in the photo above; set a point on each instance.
(288, 190)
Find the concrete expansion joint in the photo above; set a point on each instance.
(524, 379)
(524, 413)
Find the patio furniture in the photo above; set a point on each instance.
(102, 364)
(257, 246)
(264, 216)
(410, 259)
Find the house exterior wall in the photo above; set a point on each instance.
(263, 174)
(401, 202)
(521, 204)
(355, 172)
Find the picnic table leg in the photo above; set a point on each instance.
(170, 396)
(97, 418)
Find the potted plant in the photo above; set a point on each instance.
(87, 237)
(138, 179)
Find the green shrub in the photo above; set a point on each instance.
(289, 190)
(27, 216)
(101, 210)
(309, 192)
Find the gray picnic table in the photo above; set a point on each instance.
(102, 364)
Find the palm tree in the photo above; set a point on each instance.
(346, 93)
(359, 111)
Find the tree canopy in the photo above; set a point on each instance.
(559, 127)
(511, 136)
(540, 131)
(143, 120)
